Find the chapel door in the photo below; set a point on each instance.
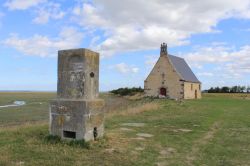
(163, 92)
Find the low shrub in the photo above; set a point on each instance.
(127, 91)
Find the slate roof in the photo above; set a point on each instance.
(183, 69)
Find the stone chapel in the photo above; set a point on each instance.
(171, 77)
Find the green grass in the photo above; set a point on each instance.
(212, 131)
(36, 108)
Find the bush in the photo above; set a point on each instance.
(127, 91)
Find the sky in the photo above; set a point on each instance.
(212, 36)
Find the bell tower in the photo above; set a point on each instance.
(164, 49)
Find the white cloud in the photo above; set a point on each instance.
(124, 68)
(224, 61)
(48, 11)
(43, 46)
(151, 60)
(206, 74)
(44, 9)
(136, 25)
(209, 54)
(89, 15)
(22, 4)
(134, 70)
(196, 65)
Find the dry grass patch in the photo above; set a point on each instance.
(228, 95)
(136, 110)
(137, 96)
(16, 127)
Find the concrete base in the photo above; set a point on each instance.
(76, 119)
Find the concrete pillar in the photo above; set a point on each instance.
(77, 113)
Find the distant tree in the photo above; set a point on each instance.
(211, 90)
(242, 89)
(217, 90)
(238, 89)
(234, 89)
(225, 89)
(248, 89)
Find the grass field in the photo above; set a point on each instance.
(212, 131)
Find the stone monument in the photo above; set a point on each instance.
(77, 113)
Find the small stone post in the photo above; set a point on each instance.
(77, 113)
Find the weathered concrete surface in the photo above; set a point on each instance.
(78, 74)
(77, 111)
(77, 116)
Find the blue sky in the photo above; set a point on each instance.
(213, 36)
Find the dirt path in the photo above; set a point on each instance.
(202, 141)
